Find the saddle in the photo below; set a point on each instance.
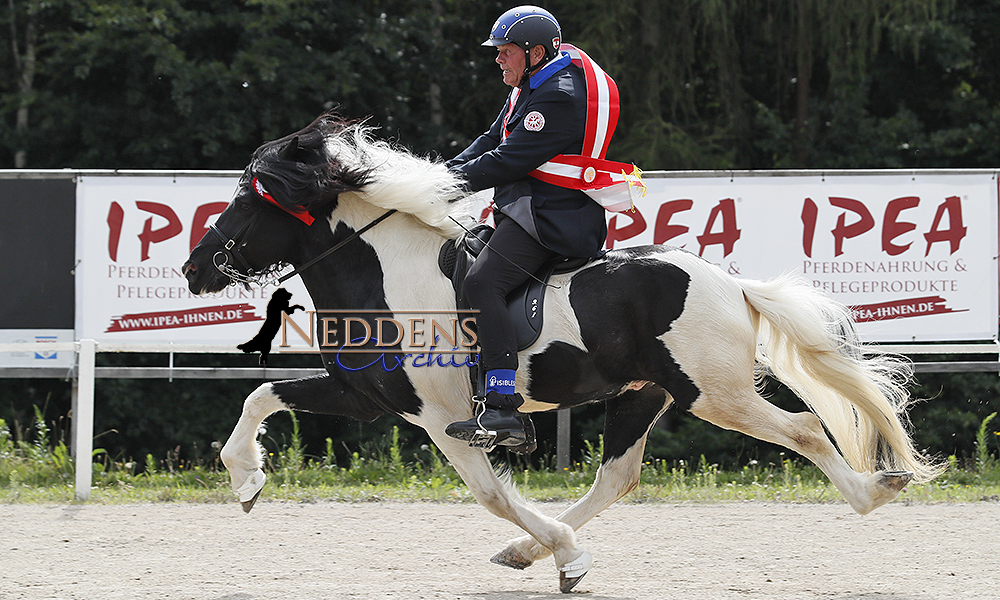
(525, 302)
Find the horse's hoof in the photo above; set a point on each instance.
(250, 490)
(566, 584)
(895, 480)
(572, 572)
(249, 503)
(509, 557)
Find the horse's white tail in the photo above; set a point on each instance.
(809, 342)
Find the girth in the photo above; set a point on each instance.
(525, 302)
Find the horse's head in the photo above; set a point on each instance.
(290, 184)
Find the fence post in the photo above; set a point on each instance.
(83, 419)
(562, 439)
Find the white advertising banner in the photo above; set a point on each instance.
(914, 254)
(133, 235)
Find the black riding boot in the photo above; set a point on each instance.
(497, 423)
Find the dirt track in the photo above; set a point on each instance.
(402, 550)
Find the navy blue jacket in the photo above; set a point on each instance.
(549, 118)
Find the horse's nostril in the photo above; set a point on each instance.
(189, 268)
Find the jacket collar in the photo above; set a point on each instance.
(550, 69)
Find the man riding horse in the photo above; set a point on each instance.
(544, 117)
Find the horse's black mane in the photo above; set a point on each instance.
(298, 170)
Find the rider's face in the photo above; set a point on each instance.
(510, 57)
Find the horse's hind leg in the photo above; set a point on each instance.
(627, 422)
(802, 432)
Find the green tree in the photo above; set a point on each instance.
(192, 85)
(706, 81)
(23, 30)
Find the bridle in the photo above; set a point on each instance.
(231, 263)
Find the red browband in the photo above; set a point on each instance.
(301, 215)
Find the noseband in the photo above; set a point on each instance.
(230, 262)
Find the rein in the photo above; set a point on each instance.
(340, 245)
(245, 273)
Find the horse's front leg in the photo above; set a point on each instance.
(243, 455)
(627, 422)
(498, 497)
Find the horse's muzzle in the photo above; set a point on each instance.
(202, 281)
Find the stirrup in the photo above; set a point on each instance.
(487, 440)
(482, 437)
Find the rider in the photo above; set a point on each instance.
(544, 116)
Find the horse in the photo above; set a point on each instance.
(639, 329)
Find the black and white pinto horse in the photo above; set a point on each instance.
(639, 329)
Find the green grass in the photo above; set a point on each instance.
(43, 472)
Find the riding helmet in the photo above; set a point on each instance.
(528, 26)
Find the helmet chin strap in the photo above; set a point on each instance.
(528, 69)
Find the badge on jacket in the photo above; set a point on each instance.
(534, 121)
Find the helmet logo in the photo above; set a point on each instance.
(555, 43)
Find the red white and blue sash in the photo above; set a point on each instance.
(609, 183)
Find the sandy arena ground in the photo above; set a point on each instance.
(407, 550)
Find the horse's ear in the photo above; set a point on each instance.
(290, 150)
